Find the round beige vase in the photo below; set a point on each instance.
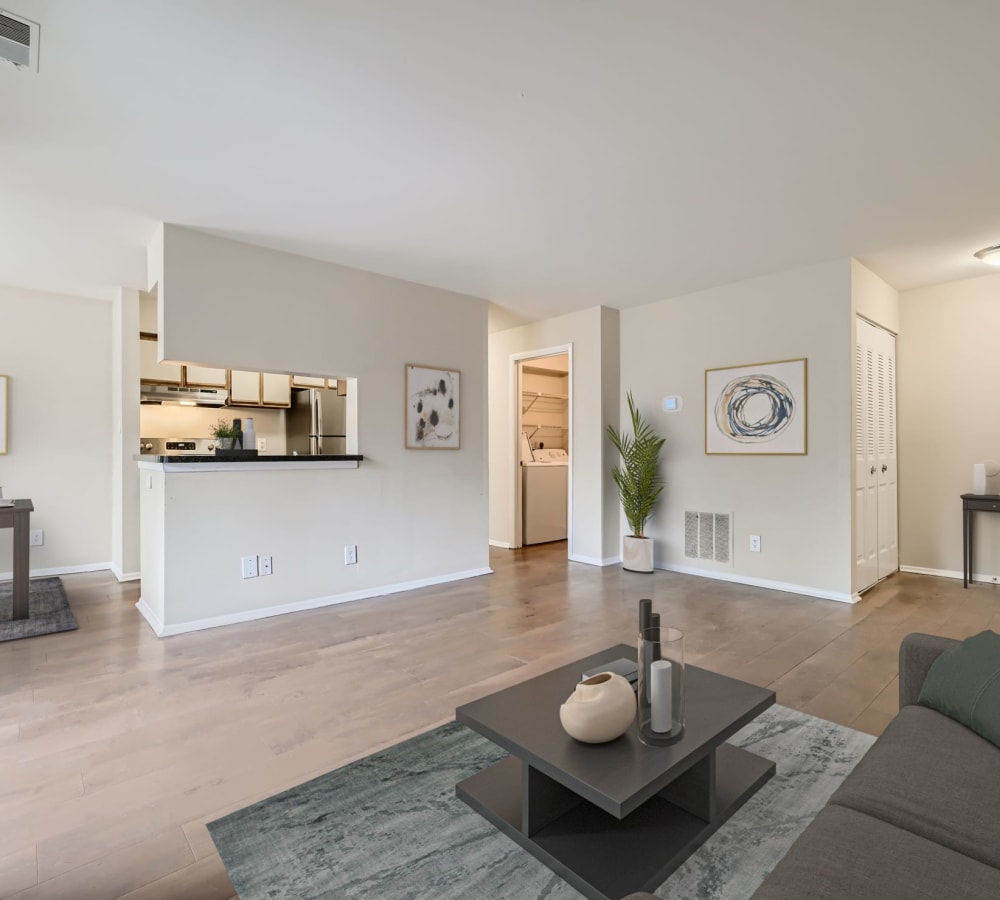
(600, 709)
(637, 553)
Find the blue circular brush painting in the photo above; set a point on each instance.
(754, 408)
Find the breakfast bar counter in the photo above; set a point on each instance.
(207, 520)
(272, 462)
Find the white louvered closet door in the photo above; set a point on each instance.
(876, 543)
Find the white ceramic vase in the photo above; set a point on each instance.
(637, 553)
(600, 709)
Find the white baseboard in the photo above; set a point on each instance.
(502, 545)
(595, 560)
(155, 622)
(60, 570)
(124, 576)
(251, 615)
(945, 573)
(763, 582)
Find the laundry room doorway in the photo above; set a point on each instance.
(543, 458)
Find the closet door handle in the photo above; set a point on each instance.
(872, 471)
(885, 468)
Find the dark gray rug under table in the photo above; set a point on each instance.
(48, 610)
(390, 827)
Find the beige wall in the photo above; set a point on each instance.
(948, 419)
(799, 505)
(57, 351)
(414, 514)
(873, 298)
(593, 335)
(196, 422)
(124, 438)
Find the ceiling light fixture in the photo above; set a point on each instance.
(989, 255)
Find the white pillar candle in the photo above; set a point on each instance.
(979, 478)
(661, 695)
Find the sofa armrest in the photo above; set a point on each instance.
(916, 655)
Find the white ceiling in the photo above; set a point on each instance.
(548, 156)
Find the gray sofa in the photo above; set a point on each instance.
(917, 819)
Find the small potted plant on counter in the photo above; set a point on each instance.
(224, 434)
(639, 485)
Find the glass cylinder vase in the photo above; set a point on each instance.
(660, 691)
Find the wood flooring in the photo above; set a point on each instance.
(116, 747)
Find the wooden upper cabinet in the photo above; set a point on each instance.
(276, 390)
(151, 369)
(244, 388)
(308, 381)
(202, 376)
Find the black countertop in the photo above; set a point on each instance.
(262, 458)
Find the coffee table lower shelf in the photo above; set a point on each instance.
(602, 856)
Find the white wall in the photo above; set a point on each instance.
(414, 514)
(873, 298)
(593, 334)
(799, 505)
(125, 436)
(57, 352)
(948, 419)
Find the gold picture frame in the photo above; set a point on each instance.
(433, 408)
(757, 409)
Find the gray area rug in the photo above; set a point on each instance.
(389, 826)
(48, 610)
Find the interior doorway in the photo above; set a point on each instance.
(543, 439)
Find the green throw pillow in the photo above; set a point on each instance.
(963, 683)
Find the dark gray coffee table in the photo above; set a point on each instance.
(618, 817)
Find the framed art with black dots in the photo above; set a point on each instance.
(433, 408)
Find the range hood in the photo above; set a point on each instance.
(184, 396)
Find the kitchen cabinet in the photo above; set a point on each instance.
(259, 389)
(244, 388)
(202, 376)
(275, 390)
(150, 368)
(308, 381)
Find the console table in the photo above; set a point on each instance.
(973, 503)
(18, 518)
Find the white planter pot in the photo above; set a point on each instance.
(637, 553)
(600, 709)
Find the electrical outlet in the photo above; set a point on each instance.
(350, 554)
(262, 446)
(36, 538)
(249, 566)
(265, 565)
(755, 543)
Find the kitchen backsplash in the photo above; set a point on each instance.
(195, 422)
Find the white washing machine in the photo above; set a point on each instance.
(544, 496)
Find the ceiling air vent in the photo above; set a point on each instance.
(18, 41)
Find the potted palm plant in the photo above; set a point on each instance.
(639, 486)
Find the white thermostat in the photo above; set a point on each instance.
(673, 404)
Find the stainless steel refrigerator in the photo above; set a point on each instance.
(316, 422)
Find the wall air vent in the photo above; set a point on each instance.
(708, 536)
(18, 41)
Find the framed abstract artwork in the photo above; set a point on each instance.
(433, 408)
(3, 413)
(756, 409)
